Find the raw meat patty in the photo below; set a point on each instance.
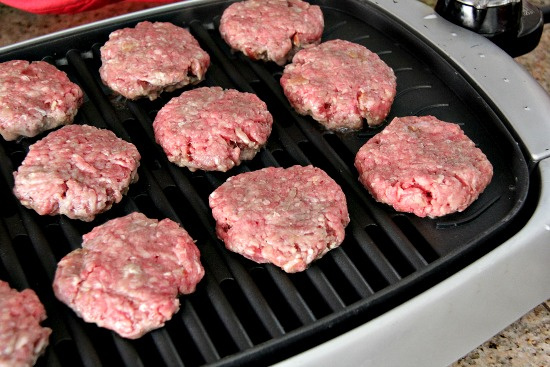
(22, 339)
(128, 274)
(35, 97)
(212, 129)
(423, 166)
(288, 217)
(78, 170)
(151, 58)
(340, 83)
(271, 30)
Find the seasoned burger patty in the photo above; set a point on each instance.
(288, 217)
(212, 129)
(22, 339)
(78, 170)
(423, 166)
(35, 97)
(271, 30)
(151, 58)
(340, 83)
(128, 274)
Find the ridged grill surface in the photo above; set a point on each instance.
(244, 313)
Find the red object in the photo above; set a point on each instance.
(65, 6)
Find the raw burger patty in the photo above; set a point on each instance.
(340, 83)
(212, 129)
(35, 97)
(423, 166)
(271, 30)
(78, 171)
(128, 274)
(22, 339)
(151, 58)
(288, 217)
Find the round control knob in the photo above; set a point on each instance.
(514, 25)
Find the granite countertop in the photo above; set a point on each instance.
(525, 343)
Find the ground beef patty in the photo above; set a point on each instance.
(78, 171)
(22, 339)
(35, 97)
(212, 129)
(271, 30)
(128, 274)
(423, 166)
(151, 58)
(340, 83)
(288, 217)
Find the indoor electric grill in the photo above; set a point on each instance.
(400, 290)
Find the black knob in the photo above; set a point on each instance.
(514, 25)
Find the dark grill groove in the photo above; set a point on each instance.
(245, 313)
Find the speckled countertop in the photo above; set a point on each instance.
(525, 343)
